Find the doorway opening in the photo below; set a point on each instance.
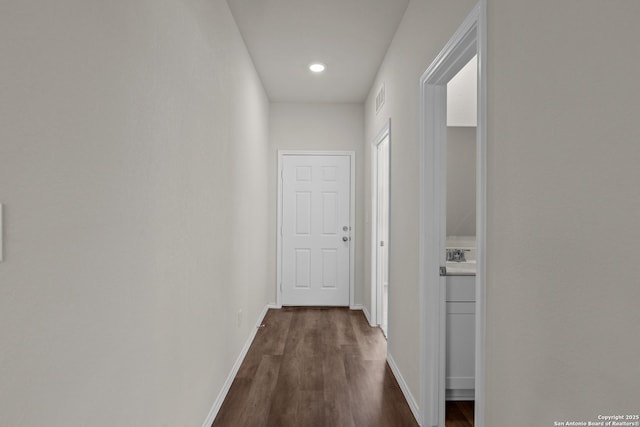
(460, 242)
(452, 305)
(380, 210)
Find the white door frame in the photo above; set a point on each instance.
(376, 303)
(352, 216)
(469, 39)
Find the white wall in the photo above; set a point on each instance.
(313, 127)
(564, 201)
(133, 168)
(462, 96)
(425, 28)
(461, 181)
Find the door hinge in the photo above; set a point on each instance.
(381, 242)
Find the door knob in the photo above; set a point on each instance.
(345, 239)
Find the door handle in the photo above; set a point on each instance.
(345, 239)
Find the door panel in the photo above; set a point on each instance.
(382, 216)
(303, 213)
(315, 210)
(329, 213)
(329, 268)
(303, 268)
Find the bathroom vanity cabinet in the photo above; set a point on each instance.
(460, 337)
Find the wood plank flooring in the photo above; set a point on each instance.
(459, 414)
(315, 367)
(321, 367)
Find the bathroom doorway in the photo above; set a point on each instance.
(460, 241)
(452, 298)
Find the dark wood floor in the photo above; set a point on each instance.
(315, 367)
(459, 414)
(321, 367)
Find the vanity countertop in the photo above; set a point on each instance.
(467, 268)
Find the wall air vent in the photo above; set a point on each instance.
(380, 98)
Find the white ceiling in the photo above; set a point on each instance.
(349, 36)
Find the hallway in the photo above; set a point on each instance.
(315, 367)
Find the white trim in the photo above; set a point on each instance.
(1, 235)
(460, 394)
(468, 40)
(481, 219)
(375, 292)
(234, 370)
(352, 219)
(404, 387)
(368, 316)
(364, 310)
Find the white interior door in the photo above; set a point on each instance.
(316, 233)
(382, 216)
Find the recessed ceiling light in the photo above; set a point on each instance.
(317, 67)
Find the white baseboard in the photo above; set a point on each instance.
(234, 370)
(452, 395)
(368, 316)
(364, 311)
(404, 387)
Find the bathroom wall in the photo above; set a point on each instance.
(133, 169)
(461, 181)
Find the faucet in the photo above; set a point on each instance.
(456, 255)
